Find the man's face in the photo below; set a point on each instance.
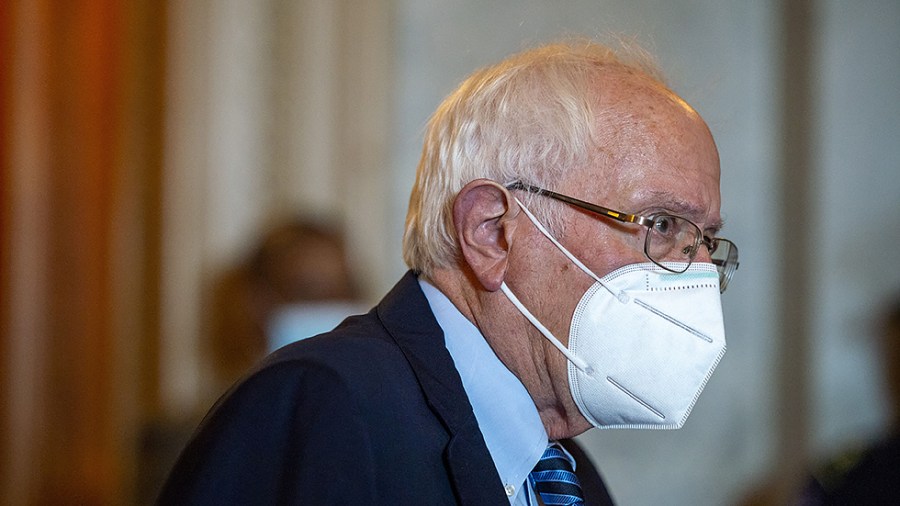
(659, 157)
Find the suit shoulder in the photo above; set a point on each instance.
(360, 345)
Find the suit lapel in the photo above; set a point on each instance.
(408, 318)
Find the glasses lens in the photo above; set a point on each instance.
(672, 239)
(725, 257)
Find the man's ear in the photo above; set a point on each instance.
(484, 215)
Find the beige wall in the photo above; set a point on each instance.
(278, 108)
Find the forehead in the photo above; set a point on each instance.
(656, 154)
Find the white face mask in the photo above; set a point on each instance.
(642, 344)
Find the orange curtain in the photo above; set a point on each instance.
(81, 154)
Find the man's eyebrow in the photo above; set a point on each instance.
(669, 202)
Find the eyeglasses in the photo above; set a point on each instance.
(672, 242)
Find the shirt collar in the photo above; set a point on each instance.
(507, 417)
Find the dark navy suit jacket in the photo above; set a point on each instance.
(373, 412)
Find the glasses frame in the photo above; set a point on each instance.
(726, 267)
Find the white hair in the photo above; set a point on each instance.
(531, 117)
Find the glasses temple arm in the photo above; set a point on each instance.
(594, 208)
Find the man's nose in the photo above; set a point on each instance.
(703, 254)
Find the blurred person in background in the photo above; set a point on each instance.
(565, 273)
(294, 284)
(868, 475)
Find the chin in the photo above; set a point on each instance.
(568, 427)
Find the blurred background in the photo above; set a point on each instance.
(149, 152)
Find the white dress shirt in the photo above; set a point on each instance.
(506, 414)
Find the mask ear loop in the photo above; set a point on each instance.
(621, 296)
(576, 360)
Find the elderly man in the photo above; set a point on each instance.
(565, 273)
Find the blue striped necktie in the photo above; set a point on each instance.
(554, 479)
